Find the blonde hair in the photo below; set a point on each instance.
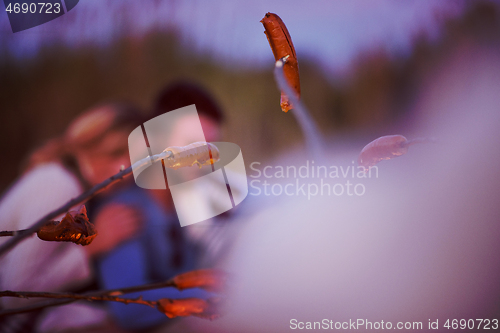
(83, 133)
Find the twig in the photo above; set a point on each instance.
(65, 298)
(79, 199)
(12, 233)
(314, 141)
(75, 297)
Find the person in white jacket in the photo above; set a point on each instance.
(93, 148)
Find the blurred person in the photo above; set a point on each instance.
(163, 249)
(93, 148)
(209, 234)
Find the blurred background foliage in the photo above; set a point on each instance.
(39, 96)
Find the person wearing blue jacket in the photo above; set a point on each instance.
(159, 252)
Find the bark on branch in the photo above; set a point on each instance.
(209, 279)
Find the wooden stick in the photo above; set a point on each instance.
(312, 136)
(12, 233)
(65, 298)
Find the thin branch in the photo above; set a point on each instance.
(12, 233)
(35, 307)
(79, 200)
(208, 279)
(314, 141)
(65, 298)
(76, 297)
